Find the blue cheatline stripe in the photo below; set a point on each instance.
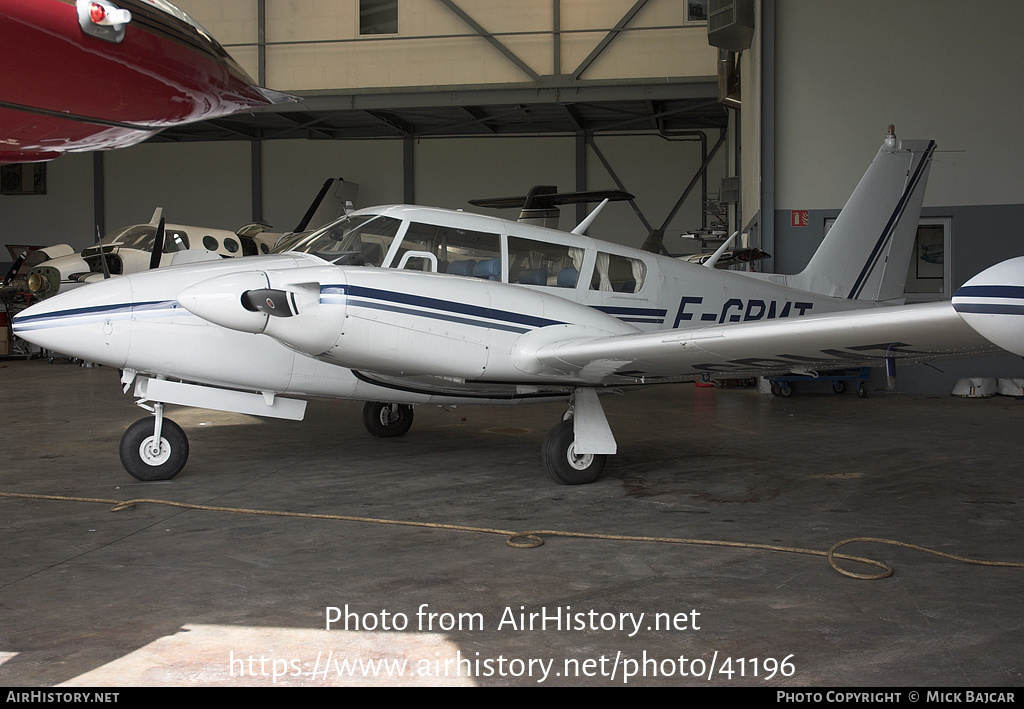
(59, 318)
(890, 226)
(990, 292)
(989, 308)
(436, 316)
(653, 316)
(653, 312)
(450, 307)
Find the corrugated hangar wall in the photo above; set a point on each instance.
(208, 183)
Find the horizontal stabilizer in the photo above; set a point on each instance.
(544, 196)
(540, 206)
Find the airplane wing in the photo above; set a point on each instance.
(912, 333)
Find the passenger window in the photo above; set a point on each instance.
(459, 252)
(618, 273)
(538, 263)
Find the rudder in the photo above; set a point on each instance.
(866, 253)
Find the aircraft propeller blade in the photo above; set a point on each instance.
(15, 267)
(158, 245)
(279, 303)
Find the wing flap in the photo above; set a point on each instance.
(863, 337)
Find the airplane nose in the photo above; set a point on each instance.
(92, 323)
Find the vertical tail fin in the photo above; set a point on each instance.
(329, 204)
(866, 253)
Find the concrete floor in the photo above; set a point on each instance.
(162, 595)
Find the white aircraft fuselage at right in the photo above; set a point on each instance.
(455, 308)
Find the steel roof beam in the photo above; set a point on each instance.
(494, 41)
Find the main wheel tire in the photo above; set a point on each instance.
(387, 420)
(562, 462)
(145, 461)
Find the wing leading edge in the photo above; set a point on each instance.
(912, 333)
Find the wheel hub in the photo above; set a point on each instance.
(578, 461)
(153, 453)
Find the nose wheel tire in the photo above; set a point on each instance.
(387, 420)
(147, 459)
(563, 463)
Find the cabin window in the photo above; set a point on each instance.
(459, 252)
(618, 273)
(174, 240)
(539, 263)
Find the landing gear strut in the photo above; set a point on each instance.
(387, 420)
(154, 449)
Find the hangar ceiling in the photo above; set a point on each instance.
(663, 108)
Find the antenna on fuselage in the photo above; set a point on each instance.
(581, 228)
(710, 263)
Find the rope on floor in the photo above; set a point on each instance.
(535, 538)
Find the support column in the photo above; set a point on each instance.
(408, 170)
(98, 194)
(767, 210)
(581, 173)
(256, 178)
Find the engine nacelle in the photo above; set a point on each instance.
(219, 300)
(296, 306)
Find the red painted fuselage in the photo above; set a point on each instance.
(64, 90)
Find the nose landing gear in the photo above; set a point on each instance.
(154, 449)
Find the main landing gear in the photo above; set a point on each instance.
(154, 449)
(575, 450)
(564, 464)
(385, 420)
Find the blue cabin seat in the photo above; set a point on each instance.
(489, 269)
(462, 268)
(567, 277)
(534, 276)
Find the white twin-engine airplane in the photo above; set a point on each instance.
(404, 305)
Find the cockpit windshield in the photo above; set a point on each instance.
(359, 240)
(142, 237)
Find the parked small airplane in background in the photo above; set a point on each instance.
(79, 60)
(406, 305)
(130, 249)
